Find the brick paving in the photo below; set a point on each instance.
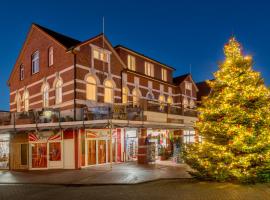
(172, 189)
(125, 173)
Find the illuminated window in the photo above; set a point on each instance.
(100, 54)
(136, 97)
(21, 72)
(131, 63)
(162, 102)
(164, 74)
(58, 92)
(149, 69)
(45, 98)
(35, 62)
(108, 92)
(125, 95)
(188, 86)
(91, 88)
(185, 102)
(18, 103)
(50, 56)
(26, 101)
(189, 136)
(170, 100)
(191, 103)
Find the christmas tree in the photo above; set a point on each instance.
(234, 122)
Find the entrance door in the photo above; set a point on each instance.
(101, 151)
(92, 152)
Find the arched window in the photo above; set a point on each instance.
(191, 103)
(136, 97)
(161, 101)
(45, 95)
(125, 95)
(26, 100)
(21, 72)
(58, 92)
(150, 96)
(18, 103)
(50, 56)
(185, 102)
(91, 88)
(170, 100)
(108, 91)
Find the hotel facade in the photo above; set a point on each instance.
(76, 104)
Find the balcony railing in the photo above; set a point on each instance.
(5, 118)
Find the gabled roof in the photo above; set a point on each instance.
(179, 79)
(142, 55)
(204, 90)
(66, 41)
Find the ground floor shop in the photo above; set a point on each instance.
(80, 148)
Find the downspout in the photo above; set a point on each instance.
(74, 83)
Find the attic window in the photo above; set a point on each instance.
(35, 62)
(188, 86)
(99, 54)
(21, 72)
(50, 56)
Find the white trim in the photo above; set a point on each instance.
(36, 102)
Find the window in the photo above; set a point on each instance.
(185, 102)
(189, 136)
(58, 92)
(100, 55)
(125, 95)
(21, 72)
(150, 96)
(45, 93)
(91, 88)
(188, 86)
(170, 100)
(18, 103)
(136, 97)
(26, 101)
(50, 56)
(164, 74)
(191, 103)
(149, 69)
(108, 92)
(24, 154)
(35, 62)
(131, 63)
(162, 102)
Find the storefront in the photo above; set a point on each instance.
(131, 144)
(4, 150)
(101, 146)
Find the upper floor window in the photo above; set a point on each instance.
(170, 100)
(58, 92)
(45, 96)
(108, 92)
(131, 63)
(162, 102)
(185, 102)
(50, 56)
(136, 97)
(26, 101)
(149, 69)
(191, 103)
(35, 62)
(188, 86)
(101, 55)
(125, 95)
(164, 74)
(91, 88)
(18, 102)
(21, 72)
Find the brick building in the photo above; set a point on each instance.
(79, 103)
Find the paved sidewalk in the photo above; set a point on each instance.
(124, 173)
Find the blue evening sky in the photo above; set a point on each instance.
(178, 33)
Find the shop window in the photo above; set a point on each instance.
(108, 91)
(91, 88)
(4, 154)
(55, 151)
(58, 92)
(24, 154)
(189, 136)
(39, 155)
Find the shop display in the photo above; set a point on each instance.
(39, 155)
(55, 151)
(4, 154)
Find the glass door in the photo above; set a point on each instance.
(101, 151)
(92, 159)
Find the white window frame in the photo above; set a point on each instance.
(26, 101)
(21, 72)
(131, 60)
(101, 54)
(149, 69)
(59, 92)
(35, 62)
(164, 74)
(45, 96)
(51, 56)
(125, 92)
(188, 86)
(91, 89)
(136, 96)
(108, 92)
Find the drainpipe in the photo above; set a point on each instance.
(75, 84)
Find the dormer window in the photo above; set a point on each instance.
(149, 69)
(99, 54)
(164, 74)
(188, 86)
(50, 56)
(131, 63)
(35, 62)
(21, 72)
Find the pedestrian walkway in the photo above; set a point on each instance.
(124, 173)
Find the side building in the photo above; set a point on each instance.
(76, 103)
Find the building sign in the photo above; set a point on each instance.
(100, 133)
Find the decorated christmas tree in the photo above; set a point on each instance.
(234, 122)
